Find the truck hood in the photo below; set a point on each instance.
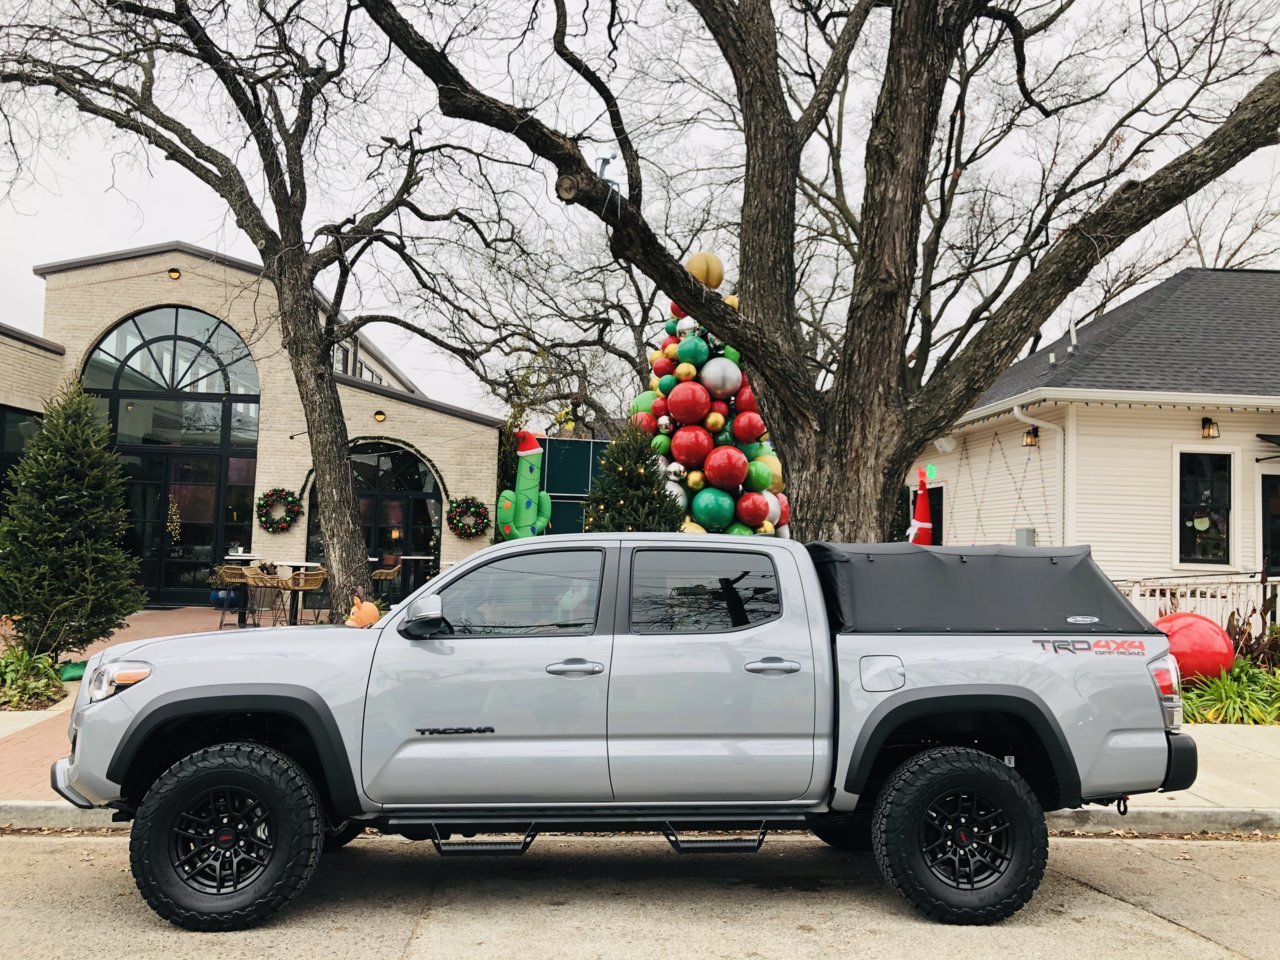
(226, 645)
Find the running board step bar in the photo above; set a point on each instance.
(483, 848)
(727, 845)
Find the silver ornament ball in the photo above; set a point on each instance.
(721, 376)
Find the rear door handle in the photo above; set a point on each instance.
(575, 667)
(772, 667)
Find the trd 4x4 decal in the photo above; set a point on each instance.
(1124, 648)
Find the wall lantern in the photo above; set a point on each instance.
(175, 273)
(395, 533)
(379, 415)
(1031, 438)
(1208, 428)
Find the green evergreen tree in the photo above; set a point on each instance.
(630, 493)
(63, 569)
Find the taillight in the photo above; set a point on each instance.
(1169, 685)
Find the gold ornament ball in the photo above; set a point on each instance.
(695, 480)
(672, 352)
(765, 528)
(653, 384)
(775, 467)
(714, 422)
(732, 301)
(685, 371)
(706, 268)
(690, 527)
(655, 357)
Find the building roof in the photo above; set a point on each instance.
(1202, 331)
(211, 256)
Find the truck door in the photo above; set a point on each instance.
(711, 693)
(509, 704)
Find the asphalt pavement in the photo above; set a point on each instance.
(574, 898)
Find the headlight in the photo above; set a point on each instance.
(111, 678)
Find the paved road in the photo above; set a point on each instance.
(575, 898)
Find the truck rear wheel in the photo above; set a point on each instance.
(960, 835)
(226, 837)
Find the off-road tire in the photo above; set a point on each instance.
(337, 836)
(298, 828)
(899, 828)
(850, 833)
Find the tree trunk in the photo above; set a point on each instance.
(346, 554)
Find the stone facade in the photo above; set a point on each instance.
(85, 299)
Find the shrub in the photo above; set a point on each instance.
(1246, 693)
(63, 568)
(28, 681)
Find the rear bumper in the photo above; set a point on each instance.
(58, 780)
(1183, 763)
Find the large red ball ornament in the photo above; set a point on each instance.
(1201, 647)
(784, 517)
(690, 446)
(744, 400)
(646, 422)
(662, 366)
(688, 402)
(676, 310)
(725, 467)
(659, 408)
(753, 509)
(748, 427)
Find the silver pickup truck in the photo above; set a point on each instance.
(927, 704)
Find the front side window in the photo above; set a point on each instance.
(1204, 531)
(534, 595)
(702, 591)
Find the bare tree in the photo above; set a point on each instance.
(259, 104)
(923, 182)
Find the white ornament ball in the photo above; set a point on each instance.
(665, 425)
(674, 471)
(677, 493)
(783, 531)
(686, 326)
(775, 507)
(663, 463)
(721, 376)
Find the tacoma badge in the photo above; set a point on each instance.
(440, 731)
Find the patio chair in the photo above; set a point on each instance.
(383, 579)
(231, 577)
(267, 593)
(308, 582)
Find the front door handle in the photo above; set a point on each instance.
(575, 667)
(772, 667)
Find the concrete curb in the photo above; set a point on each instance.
(1104, 821)
(53, 815)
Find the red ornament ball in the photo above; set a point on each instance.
(668, 341)
(646, 422)
(690, 446)
(676, 311)
(753, 509)
(745, 400)
(720, 407)
(688, 402)
(659, 408)
(785, 516)
(662, 366)
(1201, 647)
(726, 468)
(748, 427)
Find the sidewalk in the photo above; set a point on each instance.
(1237, 789)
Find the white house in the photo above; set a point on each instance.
(1151, 433)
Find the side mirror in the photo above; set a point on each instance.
(424, 618)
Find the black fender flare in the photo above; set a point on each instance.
(897, 710)
(300, 703)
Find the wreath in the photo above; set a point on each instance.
(468, 518)
(278, 497)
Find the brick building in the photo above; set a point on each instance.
(181, 347)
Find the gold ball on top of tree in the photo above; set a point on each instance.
(732, 301)
(706, 268)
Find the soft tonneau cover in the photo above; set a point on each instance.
(904, 588)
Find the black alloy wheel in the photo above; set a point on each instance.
(965, 839)
(222, 841)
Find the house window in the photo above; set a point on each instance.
(1204, 531)
(340, 357)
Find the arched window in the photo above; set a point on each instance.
(180, 390)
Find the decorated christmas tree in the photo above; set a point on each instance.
(702, 419)
(630, 491)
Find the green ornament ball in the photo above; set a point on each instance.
(752, 450)
(739, 530)
(671, 326)
(759, 476)
(666, 385)
(732, 353)
(725, 437)
(644, 402)
(712, 508)
(661, 444)
(693, 350)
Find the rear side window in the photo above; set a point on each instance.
(701, 591)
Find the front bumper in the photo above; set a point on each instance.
(58, 776)
(1183, 763)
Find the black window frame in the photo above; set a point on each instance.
(1187, 506)
(345, 352)
(628, 625)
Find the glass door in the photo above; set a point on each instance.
(1271, 524)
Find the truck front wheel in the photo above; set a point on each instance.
(226, 837)
(960, 835)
